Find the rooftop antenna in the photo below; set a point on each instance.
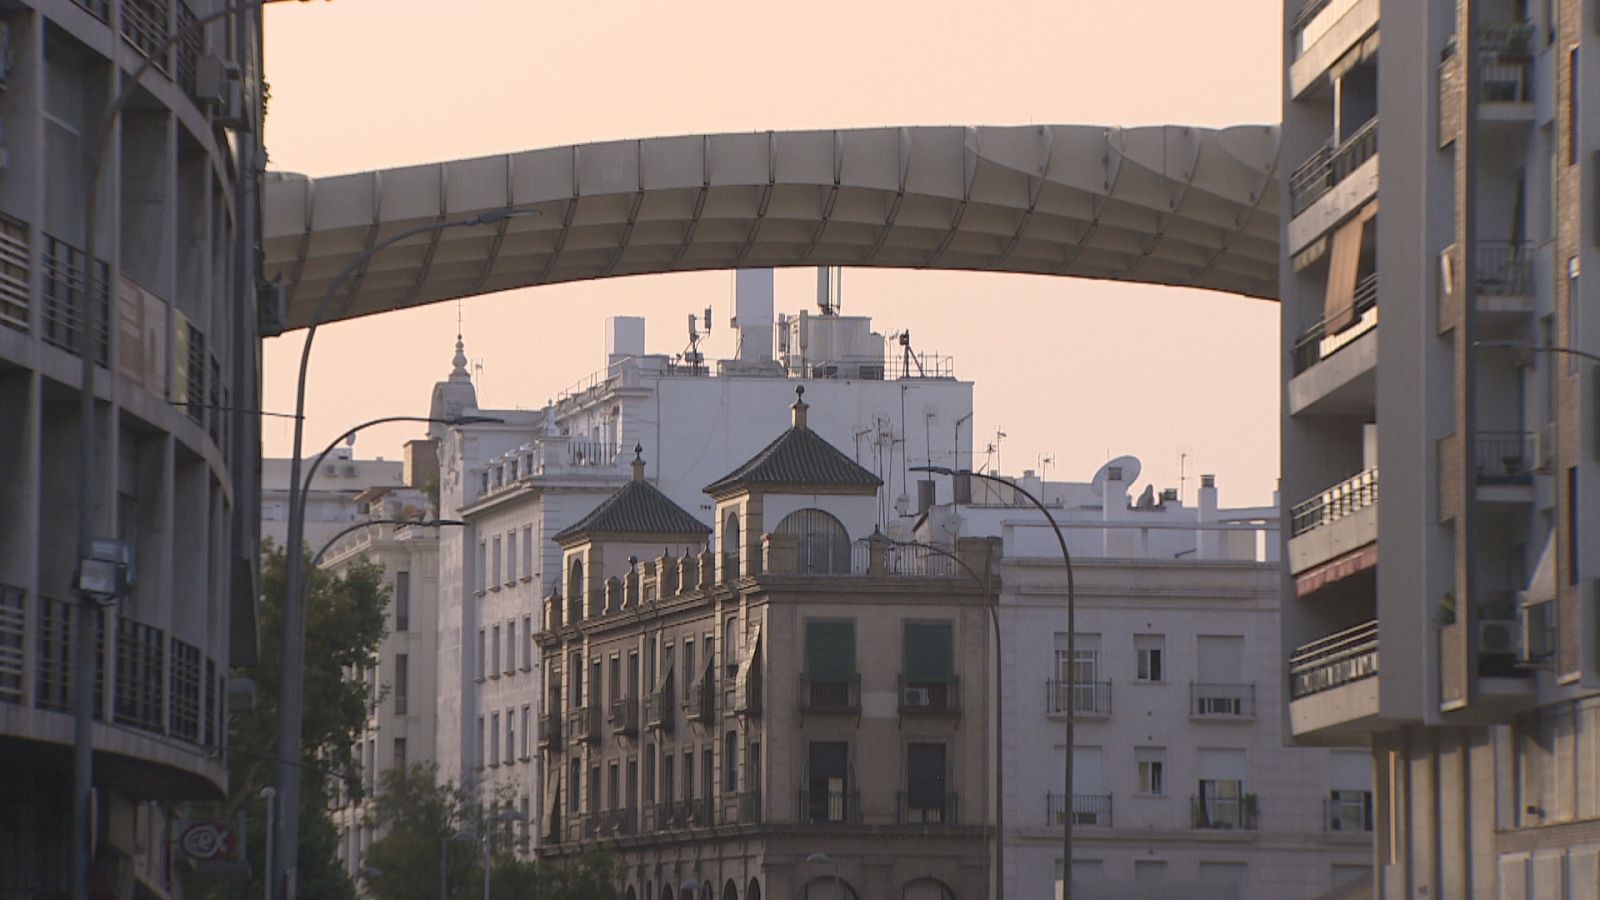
(1046, 460)
(1183, 466)
(999, 437)
(692, 354)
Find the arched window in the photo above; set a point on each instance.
(730, 891)
(823, 546)
(730, 546)
(926, 889)
(753, 892)
(575, 580)
(730, 646)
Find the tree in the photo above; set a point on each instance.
(344, 626)
(426, 824)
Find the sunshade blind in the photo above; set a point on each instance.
(831, 650)
(928, 653)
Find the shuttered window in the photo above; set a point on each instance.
(831, 650)
(928, 651)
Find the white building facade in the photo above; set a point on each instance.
(1182, 784)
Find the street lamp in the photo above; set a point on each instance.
(1537, 348)
(986, 582)
(820, 858)
(88, 608)
(1071, 679)
(291, 686)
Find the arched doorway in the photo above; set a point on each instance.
(927, 889)
(753, 892)
(730, 891)
(666, 892)
(827, 888)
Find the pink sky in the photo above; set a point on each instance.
(1069, 369)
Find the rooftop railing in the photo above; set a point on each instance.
(1330, 164)
(1312, 347)
(1352, 495)
(1333, 661)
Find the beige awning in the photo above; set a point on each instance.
(1542, 587)
(1344, 262)
(749, 658)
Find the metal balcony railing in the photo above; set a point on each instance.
(1223, 813)
(926, 808)
(1089, 698)
(1504, 457)
(830, 807)
(1089, 810)
(1229, 701)
(1308, 350)
(658, 709)
(750, 807)
(550, 730)
(830, 695)
(1335, 660)
(13, 631)
(620, 822)
(190, 47)
(747, 694)
(930, 698)
(141, 670)
(1503, 268)
(1352, 495)
(15, 276)
(62, 295)
(1330, 164)
(584, 724)
(52, 687)
(625, 716)
(186, 691)
(1314, 20)
(700, 704)
(145, 24)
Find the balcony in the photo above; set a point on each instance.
(831, 695)
(925, 808)
(700, 704)
(1505, 458)
(1335, 180)
(658, 709)
(1090, 699)
(1321, 33)
(621, 822)
(930, 698)
(1333, 685)
(584, 724)
(1223, 813)
(1225, 702)
(63, 289)
(1088, 810)
(550, 730)
(1316, 344)
(624, 716)
(749, 807)
(830, 807)
(15, 280)
(141, 658)
(1333, 523)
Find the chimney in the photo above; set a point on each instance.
(800, 406)
(638, 462)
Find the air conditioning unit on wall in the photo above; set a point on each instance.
(1500, 637)
(915, 698)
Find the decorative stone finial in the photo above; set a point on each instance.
(458, 372)
(800, 406)
(638, 462)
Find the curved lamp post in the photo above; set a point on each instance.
(88, 609)
(986, 582)
(292, 686)
(1071, 680)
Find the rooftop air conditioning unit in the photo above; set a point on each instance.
(1500, 638)
(1537, 632)
(915, 698)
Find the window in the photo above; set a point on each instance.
(402, 678)
(1220, 688)
(575, 680)
(1350, 796)
(527, 552)
(1149, 651)
(688, 668)
(926, 788)
(494, 564)
(830, 664)
(1573, 87)
(482, 744)
(402, 601)
(730, 546)
(730, 646)
(527, 711)
(827, 781)
(511, 734)
(511, 646)
(1225, 873)
(483, 653)
(1149, 870)
(527, 642)
(574, 776)
(823, 546)
(1152, 765)
(669, 777)
(1220, 800)
(614, 784)
(511, 557)
(1572, 525)
(1092, 696)
(482, 567)
(730, 762)
(495, 649)
(928, 666)
(688, 774)
(1572, 313)
(400, 754)
(494, 739)
(650, 773)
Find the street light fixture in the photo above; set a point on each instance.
(1072, 657)
(986, 582)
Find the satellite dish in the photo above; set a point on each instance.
(1130, 466)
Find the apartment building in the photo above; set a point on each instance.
(518, 482)
(330, 502)
(173, 470)
(796, 713)
(1182, 782)
(1442, 156)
